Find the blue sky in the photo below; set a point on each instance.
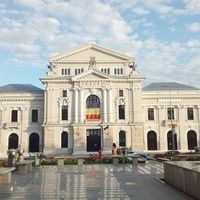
(163, 35)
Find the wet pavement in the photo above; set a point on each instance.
(106, 181)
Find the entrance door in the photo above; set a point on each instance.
(93, 140)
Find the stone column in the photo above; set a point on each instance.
(59, 111)
(45, 105)
(81, 114)
(104, 105)
(110, 105)
(130, 104)
(76, 105)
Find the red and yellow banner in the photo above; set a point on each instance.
(92, 113)
(93, 110)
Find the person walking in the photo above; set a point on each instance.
(114, 149)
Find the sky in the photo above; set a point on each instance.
(162, 35)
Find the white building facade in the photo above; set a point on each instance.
(93, 97)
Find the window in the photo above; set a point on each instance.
(93, 107)
(121, 93)
(64, 93)
(105, 70)
(170, 113)
(150, 113)
(152, 140)
(64, 139)
(64, 112)
(34, 116)
(190, 113)
(65, 72)
(78, 71)
(122, 139)
(118, 71)
(14, 116)
(191, 140)
(121, 112)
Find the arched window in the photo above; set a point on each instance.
(13, 141)
(92, 107)
(34, 142)
(169, 141)
(152, 140)
(191, 140)
(122, 138)
(64, 139)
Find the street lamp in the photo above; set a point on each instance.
(172, 125)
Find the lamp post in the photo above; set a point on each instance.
(172, 125)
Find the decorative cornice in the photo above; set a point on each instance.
(22, 99)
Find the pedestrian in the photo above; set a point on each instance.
(114, 149)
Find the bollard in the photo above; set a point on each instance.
(12, 154)
(20, 155)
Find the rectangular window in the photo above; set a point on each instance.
(121, 112)
(121, 93)
(64, 112)
(78, 71)
(65, 71)
(150, 113)
(34, 115)
(190, 113)
(105, 70)
(14, 116)
(64, 93)
(170, 113)
(118, 71)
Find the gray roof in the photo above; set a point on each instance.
(15, 88)
(166, 86)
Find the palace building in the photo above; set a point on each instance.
(92, 97)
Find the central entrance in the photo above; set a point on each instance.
(93, 140)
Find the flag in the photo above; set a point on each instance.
(107, 127)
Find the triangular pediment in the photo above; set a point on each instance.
(90, 75)
(83, 54)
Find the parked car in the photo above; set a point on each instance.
(166, 154)
(134, 154)
(128, 152)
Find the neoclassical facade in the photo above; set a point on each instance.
(93, 97)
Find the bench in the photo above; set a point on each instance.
(25, 166)
(61, 159)
(117, 157)
(5, 174)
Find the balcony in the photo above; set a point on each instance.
(168, 122)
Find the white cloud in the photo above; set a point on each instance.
(34, 4)
(194, 27)
(192, 6)
(153, 30)
(193, 43)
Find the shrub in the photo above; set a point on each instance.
(70, 161)
(3, 163)
(48, 161)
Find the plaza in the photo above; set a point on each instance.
(106, 181)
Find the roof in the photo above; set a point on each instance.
(15, 88)
(167, 86)
(79, 49)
